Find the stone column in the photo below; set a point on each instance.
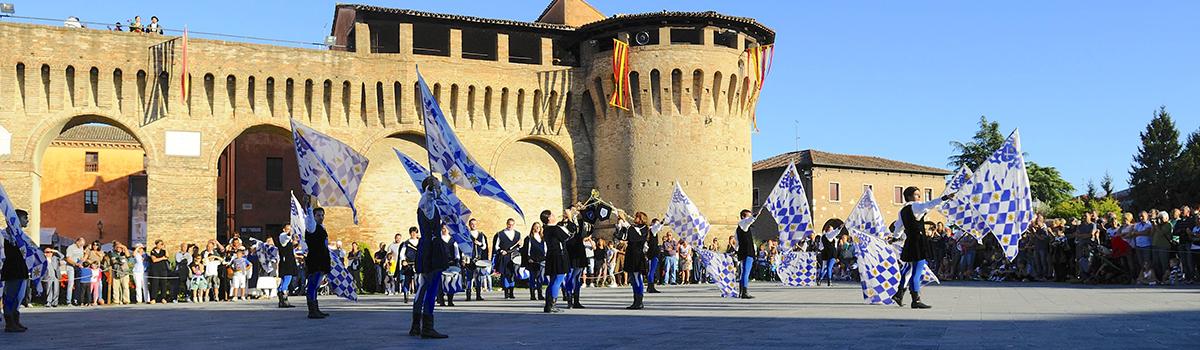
(547, 52)
(455, 43)
(502, 47)
(181, 204)
(362, 39)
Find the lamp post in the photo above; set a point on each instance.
(100, 228)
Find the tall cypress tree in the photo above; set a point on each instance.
(1152, 184)
(1187, 171)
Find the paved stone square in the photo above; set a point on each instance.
(966, 315)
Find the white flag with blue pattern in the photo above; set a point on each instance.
(341, 282)
(454, 213)
(1001, 197)
(788, 204)
(329, 169)
(35, 260)
(878, 267)
(798, 269)
(299, 222)
(865, 217)
(722, 268)
(448, 157)
(960, 213)
(685, 219)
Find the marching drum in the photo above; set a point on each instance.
(516, 258)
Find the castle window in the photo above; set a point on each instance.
(91, 162)
(566, 53)
(726, 38)
(274, 174)
(686, 36)
(898, 195)
(385, 37)
(835, 192)
(91, 201)
(478, 44)
(756, 203)
(431, 39)
(524, 48)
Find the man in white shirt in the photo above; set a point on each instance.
(74, 258)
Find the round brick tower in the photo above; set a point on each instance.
(690, 116)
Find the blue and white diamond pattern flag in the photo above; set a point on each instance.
(959, 212)
(788, 204)
(35, 260)
(798, 269)
(722, 268)
(1001, 197)
(454, 213)
(865, 217)
(329, 169)
(341, 282)
(879, 268)
(448, 157)
(685, 219)
(299, 222)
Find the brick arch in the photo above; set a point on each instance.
(226, 137)
(538, 172)
(386, 198)
(50, 128)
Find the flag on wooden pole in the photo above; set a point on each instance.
(620, 63)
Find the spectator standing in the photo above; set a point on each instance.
(120, 272)
(74, 259)
(671, 259)
(138, 263)
(1182, 233)
(159, 279)
(50, 277)
(1161, 245)
(685, 262)
(154, 26)
(135, 25)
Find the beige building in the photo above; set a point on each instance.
(528, 100)
(835, 183)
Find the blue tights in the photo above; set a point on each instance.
(555, 285)
(912, 274)
(653, 270)
(285, 283)
(313, 283)
(635, 280)
(747, 265)
(14, 293)
(827, 270)
(427, 292)
(575, 280)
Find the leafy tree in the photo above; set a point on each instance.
(1106, 205)
(1106, 184)
(1047, 184)
(1091, 192)
(1188, 170)
(1151, 178)
(1067, 209)
(985, 142)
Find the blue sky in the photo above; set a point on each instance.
(897, 79)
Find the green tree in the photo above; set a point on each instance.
(985, 142)
(1067, 209)
(1188, 170)
(1106, 205)
(1151, 179)
(1047, 184)
(1106, 184)
(1091, 193)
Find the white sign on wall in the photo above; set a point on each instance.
(5, 141)
(183, 143)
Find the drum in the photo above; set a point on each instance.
(483, 264)
(516, 258)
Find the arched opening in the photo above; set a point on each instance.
(390, 204)
(546, 174)
(255, 174)
(93, 184)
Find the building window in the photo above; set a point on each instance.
(274, 174)
(91, 201)
(686, 36)
(91, 162)
(898, 197)
(525, 48)
(928, 193)
(835, 192)
(430, 39)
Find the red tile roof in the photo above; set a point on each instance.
(811, 158)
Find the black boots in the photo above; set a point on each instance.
(575, 302)
(427, 331)
(637, 303)
(744, 293)
(550, 306)
(11, 325)
(283, 301)
(416, 326)
(533, 294)
(441, 299)
(313, 311)
(899, 297)
(478, 295)
(652, 290)
(539, 294)
(568, 300)
(449, 299)
(916, 302)
(508, 293)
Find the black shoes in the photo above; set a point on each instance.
(427, 331)
(416, 325)
(575, 302)
(899, 297)
(637, 303)
(313, 311)
(744, 293)
(916, 303)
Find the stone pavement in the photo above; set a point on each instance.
(966, 315)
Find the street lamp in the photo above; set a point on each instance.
(100, 227)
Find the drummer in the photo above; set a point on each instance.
(408, 262)
(455, 258)
(533, 254)
(507, 246)
(477, 268)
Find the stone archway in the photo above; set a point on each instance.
(537, 174)
(387, 199)
(256, 172)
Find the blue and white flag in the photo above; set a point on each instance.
(35, 260)
(788, 204)
(866, 218)
(454, 213)
(685, 218)
(268, 255)
(798, 269)
(341, 282)
(722, 268)
(448, 157)
(1000, 195)
(299, 223)
(329, 169)
(878, 267)
(959, 212)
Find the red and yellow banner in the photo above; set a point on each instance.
(621, 97)
(760, 58)
(183, 75)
